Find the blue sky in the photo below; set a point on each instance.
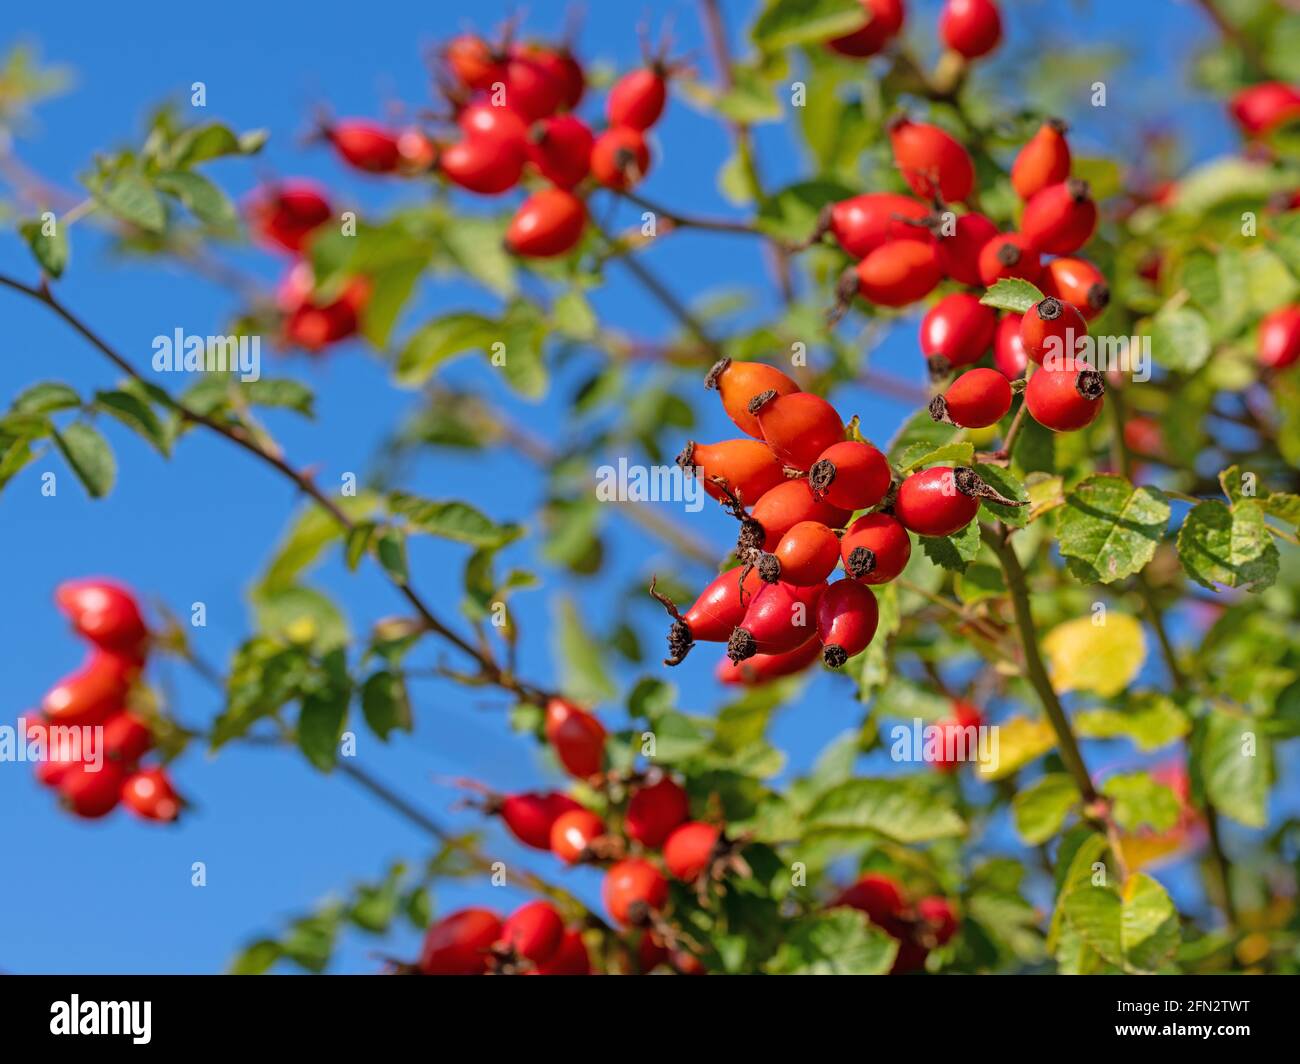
(276, 836)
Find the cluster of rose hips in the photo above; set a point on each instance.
(96, 696)
(919, 928)
(652, 815)
(971, 28)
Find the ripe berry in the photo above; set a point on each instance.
(959, 329)
(1008, 349)
(287, 213)
(531, 816)
(570, 958)
(1078, 283)
(739, 382)
(690, 850)
(485, 121)
(1043, 161)
(530, 87)
(654, 811)
(149, 794)
(763, 668)
(560, 149)
(650, 953)
(459, 943)
(846, 621)
(899, 272)
(577, 737)
(721, 606)
(806, 555)
(485, 165)
(862, 223)
(748, 467)
(1261, 108)
(572, 833)
(127, 738)
(313, 325)
(956, 738)
(776, 621)
(959, 251)
(875, 549)
(975, 400)
(798, 426)
(885, 19)
(562, 69)
(1065, 396)
(633, 889)
(94, 691)
(880, 897)
(474, 63)
(637, 99)
(92, 793)
(418, 151)
(104, 612)
(533, 931)
(1144, 437)
(784, 506)
(971, 28)
(548, 223)
(1061, 218)
(365, 145)
(620, 158)
(1279, 338)
(932, 503)
(1008, 255)
(850, 475)
(931, 161)
(939, 914)
(1052, 330)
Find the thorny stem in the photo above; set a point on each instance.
(490, 670)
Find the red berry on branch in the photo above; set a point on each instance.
(1043, 161)
(487, 122)
(959, 251)
(931, 502)
(690, 850)
(1060, 219)
(637, 99)
(149, 794)
(127, 738)
(654, 811)
(563, 70)
(530, 816)
(1279, 338)
(1052, 330)
(548, 223)
(850, 475)
(486, 165)
(780, 618)
(58, 751)
(976, 399)
(534, 931)
(971, 28)
(931, 160)
(721, 606)
(737, 383)
(1065, 396)
(880, 897)
(650, 953)
(1008, 255)
(532, 87)
(459, 943)
(620, 158)
(96, 690)
(633, 889)
(806, 555)
(899, 272)
(573, 832)
(884, 20)
(570, 958)
(312, 324)
(577, 737)
(875, 548)
(1078, 283)
(287, 213)
(89, 791)
(365, 145)
(418, 150)
(560, 149)
(798, 426)
(846, 621)
(1261, 108)
(104, 612)
(1008, 349)
(861, 224)
(784, 506)
(955, 736)
(474, 63)
(958, 328)
(748, 467)
(763, 668)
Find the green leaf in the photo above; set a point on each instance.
(441, 339)
(1096, 914)
(979, 582)
(320, 726)
(390, 549)
(1083, 655)
(1009, 486)
(1041, 808)
(45, 398)
(391, 289)
(917, 431)
(131, 197)
(791, 214)
(953, 552)
(1150, 719)
(15, 453)
(1138, 801)
(281, 392)
(50, 249)
(137, 415)
(264, 676)
(477, 246)
(1109, 529)
(521, 356)
(301, 615)
(837, 942)
(456, 521)
(257, 958)
(1149, 927)
(573, 315)
(198, 144)
(1231, 547)
(1012, 293)
(582, 664)
(204, 199)
(385, 705)
(89, 456)
(311, 532)
(900, 809)
(914, 456)
(1233, 755)
(1180, 339)
(783, 23)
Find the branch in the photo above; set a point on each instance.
(690, 221)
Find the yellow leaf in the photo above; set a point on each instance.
(1103, 658)
(1020, 740)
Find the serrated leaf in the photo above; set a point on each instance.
(1234, 757)
(45, 398)
(573, 315)
(1149, 929)
(384, 703)
(1096, 915)
(791, 213)
(900, 809)
(1041, 808)
(441, 339)
(452, 520)
(204, 200)
(784, 23)
(953, 552)
(1103, 658)
(1109, 529)
(1229, 547)
(582, 663)
(1180, 339)
(1020, 741)
(390, 549)
(282, 392)
(320, 725)
(89, 456)
(135, 414)
(1013, 294)
(198, 144)
(302, 616)
(50, 249)
(1150, 719)
(838, 942)
(914, 456)
(1138, 801)
(131, 197)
